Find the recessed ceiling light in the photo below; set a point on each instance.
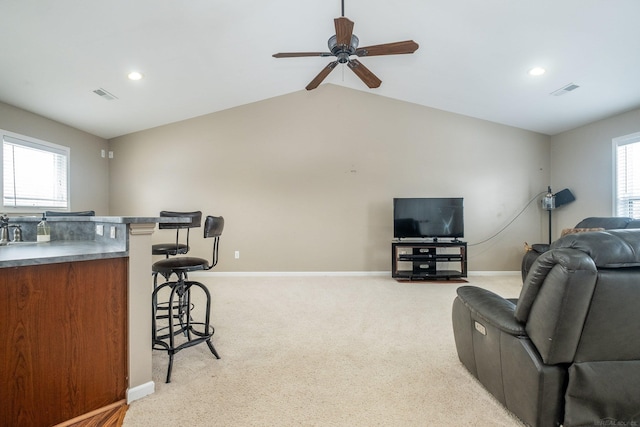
(537, 71)
(135, 75)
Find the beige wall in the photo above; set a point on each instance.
(305, 181)
(89, 171)
(582, 160)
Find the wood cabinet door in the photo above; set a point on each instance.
(63, 340)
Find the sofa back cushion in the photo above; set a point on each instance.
(608, 223)
(634, 223)
(579, 299)
(608, 249)
(554, 302)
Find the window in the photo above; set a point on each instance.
(627, 170)
(34, 173)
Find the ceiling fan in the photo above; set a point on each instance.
(343, 45)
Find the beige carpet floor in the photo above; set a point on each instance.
(325, 351)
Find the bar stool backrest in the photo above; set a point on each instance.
(213, 226)
(196, 220)
(178, 248)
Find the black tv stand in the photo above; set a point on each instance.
(428, 260)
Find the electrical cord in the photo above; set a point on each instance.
(510, 222)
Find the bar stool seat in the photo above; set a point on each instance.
(180, 265)
(169, 249)
(185, 319)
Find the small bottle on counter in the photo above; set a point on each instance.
(43, 231)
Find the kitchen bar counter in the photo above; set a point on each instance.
(107, 244)
(108, 219)
(73, 239)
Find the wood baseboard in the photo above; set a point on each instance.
(107, 416)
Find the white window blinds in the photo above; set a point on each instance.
(627, 151)
(35, 174)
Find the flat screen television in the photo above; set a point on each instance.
(437, 217)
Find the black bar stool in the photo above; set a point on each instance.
(188, 309)
(177, 247)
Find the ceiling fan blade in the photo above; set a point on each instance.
(299, 54)
(365, 75)
(397, 48)
(344, 30)
(322, 75)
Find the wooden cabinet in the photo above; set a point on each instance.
(63, 340)
(428, 260)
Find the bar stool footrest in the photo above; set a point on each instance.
(177, 318)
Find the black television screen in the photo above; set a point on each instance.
(428, 217)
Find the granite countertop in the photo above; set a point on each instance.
(107, 219)
(72, 239)
(32, 253)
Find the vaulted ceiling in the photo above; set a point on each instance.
(203, 56)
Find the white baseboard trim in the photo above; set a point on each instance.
(287, 273)
(325, 273)
(140, 391)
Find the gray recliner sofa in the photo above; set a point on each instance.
(607, 223)
(567, 351)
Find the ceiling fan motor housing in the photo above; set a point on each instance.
(343, 52)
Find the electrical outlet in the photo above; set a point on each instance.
(237, 254)
(100, 230)
(112, 232)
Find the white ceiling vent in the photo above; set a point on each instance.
(565, 89)
(105, 94)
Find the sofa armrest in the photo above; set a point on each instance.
(492, 308)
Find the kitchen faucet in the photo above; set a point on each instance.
(4, 231)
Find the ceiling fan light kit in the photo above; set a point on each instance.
(343, 45)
